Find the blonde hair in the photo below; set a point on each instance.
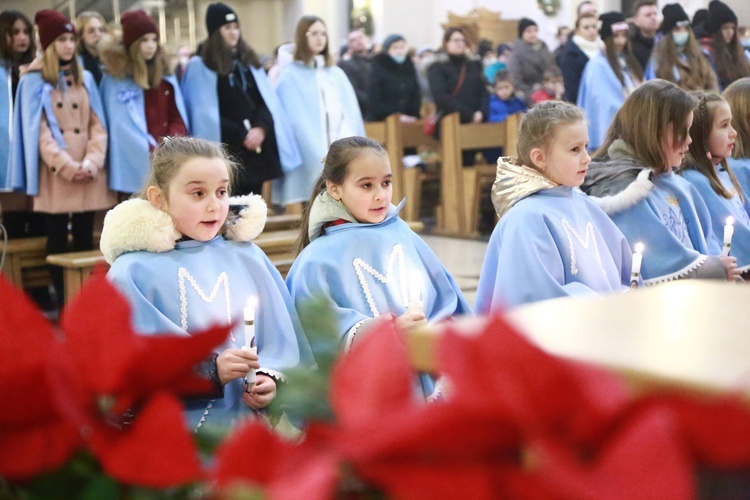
(335, 169)
(698, 153)
(737, 96)
(51, 67)
(120, 61)
(173, 152)
(147, 74)
(645, 118)
(82, 20)
(539, 125)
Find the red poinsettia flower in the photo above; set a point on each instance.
(34, 437)
(104, 368)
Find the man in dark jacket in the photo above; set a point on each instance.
(646, 21)
(356, 64)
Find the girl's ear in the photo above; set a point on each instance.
(334, 190)
(156, 197)
(539, 158)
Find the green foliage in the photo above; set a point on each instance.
(305, 396)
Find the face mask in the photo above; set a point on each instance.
(680, 39)
(399, 58)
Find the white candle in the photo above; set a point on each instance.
(728, 233)
(249, 316)
(635, 270)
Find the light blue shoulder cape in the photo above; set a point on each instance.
(554, 243)
(202, 103)
(300, 96)
(203, 283)
(669, 217)
(128, 152)
(366, 270)
(6, 117)
(600, 95)
(32, 97)
(720, 208)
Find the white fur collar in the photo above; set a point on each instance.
(635, 192)
(135, 225)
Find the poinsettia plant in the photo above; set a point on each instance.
(92, 408)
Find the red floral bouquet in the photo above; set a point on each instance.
(93, 408)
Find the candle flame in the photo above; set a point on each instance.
(730, 221)
(639, 247)
(252, 302)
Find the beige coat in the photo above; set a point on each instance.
(86, 142)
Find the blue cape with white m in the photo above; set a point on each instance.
(600, 95)
(299, 93)
(720, 208)
(554, 243)
(33, 97)
(665, 213)
(366, 270)
(202, 103)
(128, 152)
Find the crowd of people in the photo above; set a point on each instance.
(95, 121)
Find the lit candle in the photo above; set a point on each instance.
(728, 233)
(635, 270)
(249, 315)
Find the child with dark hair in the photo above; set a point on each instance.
(503, 100)
(729, 58)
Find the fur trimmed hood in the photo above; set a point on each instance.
(135, 225)
(619, 182)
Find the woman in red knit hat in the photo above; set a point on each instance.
(58, 151)
(143, 103)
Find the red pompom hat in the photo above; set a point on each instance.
(52, 24)
(135, 24)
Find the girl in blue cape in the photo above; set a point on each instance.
(143, 104)
(677, 55)
(59, 142)
(17, 50)
(360, 257)
(633, 181)
(320, 97)
(185, 262)
(551, 241)
(608, 78)
(229, 99)
(707, 169)
(737, 96)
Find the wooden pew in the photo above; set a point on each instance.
(462, 187)
(24, 262)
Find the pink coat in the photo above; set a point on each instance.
(86, 142)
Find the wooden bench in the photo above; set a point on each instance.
(283, 221)
(25, 264)
(462, 187)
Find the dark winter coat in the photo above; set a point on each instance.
(471, 97)
(393, 88)
(642, 46)
(572, 63)
(357, 69)
(527, 67)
